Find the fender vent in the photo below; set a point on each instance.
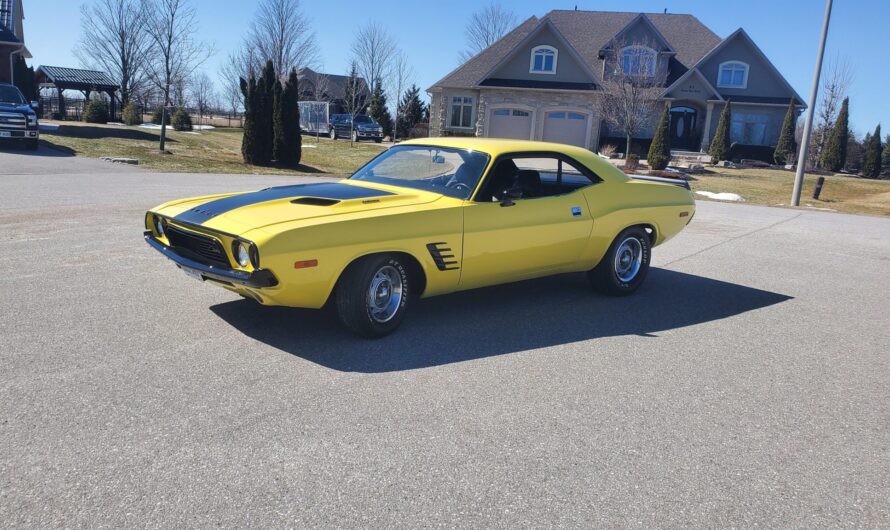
(315, 201)
(443, 256)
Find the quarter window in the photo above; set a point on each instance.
(733, 74)
(462, 112)
(543, 60)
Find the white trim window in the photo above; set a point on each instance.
(543, 60)
(733, 74)
(461, 112)
(638, 60)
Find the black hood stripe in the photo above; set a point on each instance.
(324, 190)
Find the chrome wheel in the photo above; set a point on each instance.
(628, 258)
(385, 294)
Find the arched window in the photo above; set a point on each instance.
(638, 60)
(543, 60)
(733, 74)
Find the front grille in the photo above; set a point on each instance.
(201, 248)
(12, 120)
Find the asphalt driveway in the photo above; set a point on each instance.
(747, 383)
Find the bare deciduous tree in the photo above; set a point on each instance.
(372, 52)
(280, 31)
(629, 94)
(401, 77)
(231, 95)
(203, 94)
(174, 53)
(835, 83)
(114, 39)
(486, 27)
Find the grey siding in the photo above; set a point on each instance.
(567, 68)
(762, 80)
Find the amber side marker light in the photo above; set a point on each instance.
(306, 264)
(684, 214)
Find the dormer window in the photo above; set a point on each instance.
(638, 60)
(543, 60)
(733, 74)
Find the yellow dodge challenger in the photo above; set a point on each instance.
(424, 218)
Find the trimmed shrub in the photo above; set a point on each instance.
(132, 114)
(287, 134)
(158, 115)
(785, 147)
(871, 161)
(95, 111)
(721, 144)
(632, 161)
(182, 121)
(660, 148)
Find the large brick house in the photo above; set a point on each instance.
(541, 79)
(12, 37)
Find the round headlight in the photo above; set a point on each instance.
(159, 226)
(243, 254)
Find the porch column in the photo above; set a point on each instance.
(706, 134)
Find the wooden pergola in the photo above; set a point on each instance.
(86, 81)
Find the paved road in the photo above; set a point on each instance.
(748, 382)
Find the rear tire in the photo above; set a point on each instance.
(625, 265)
(372, 295)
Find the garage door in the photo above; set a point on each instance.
(510, 123)
(566, 128)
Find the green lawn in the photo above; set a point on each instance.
(773, 187)
(209, 151)
(219, 151)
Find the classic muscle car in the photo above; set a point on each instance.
(424, 218)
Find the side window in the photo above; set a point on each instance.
(536, 176)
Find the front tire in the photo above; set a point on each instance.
(372, 295)
(354, 136)
(625, 265)
(333, 134)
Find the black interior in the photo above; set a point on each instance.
(532, 183)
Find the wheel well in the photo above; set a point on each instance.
(415, 270)
(649, 229)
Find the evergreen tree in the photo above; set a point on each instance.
(719, 149)
(278, 140)
(885, 159)
(871, 163)
(24, 78)
(834, 155)
(290, 146)
(263, 115)
(251, 134)
(378, 110)
(660, 148)
(182, 121)
(412, 110)
(785, 147)
(353, 93)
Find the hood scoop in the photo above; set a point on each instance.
(315, 201)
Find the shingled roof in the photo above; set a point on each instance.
(589, 32)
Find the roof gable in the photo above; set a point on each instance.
(764, 79)
(642, 30)
(692, 85)
(570, 67)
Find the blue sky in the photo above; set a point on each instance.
(431, 33)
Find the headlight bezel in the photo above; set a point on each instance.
(251, 251)
(160, 226)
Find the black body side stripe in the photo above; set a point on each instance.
(323, 190)
(443, 256)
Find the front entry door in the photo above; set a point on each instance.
(683, 127)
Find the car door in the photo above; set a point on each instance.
(543, 232)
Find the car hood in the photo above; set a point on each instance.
(241, 212)
(9, 107)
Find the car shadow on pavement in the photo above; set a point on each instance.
(498, 320)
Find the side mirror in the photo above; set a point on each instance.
(35, 104)
(511, 194)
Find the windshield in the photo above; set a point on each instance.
(452, 172)
(363, 119)
(10, 94)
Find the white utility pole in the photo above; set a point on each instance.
(811, 110)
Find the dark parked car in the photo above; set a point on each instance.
(363, 127)
(18, 120)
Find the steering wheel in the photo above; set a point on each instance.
(455, 184)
